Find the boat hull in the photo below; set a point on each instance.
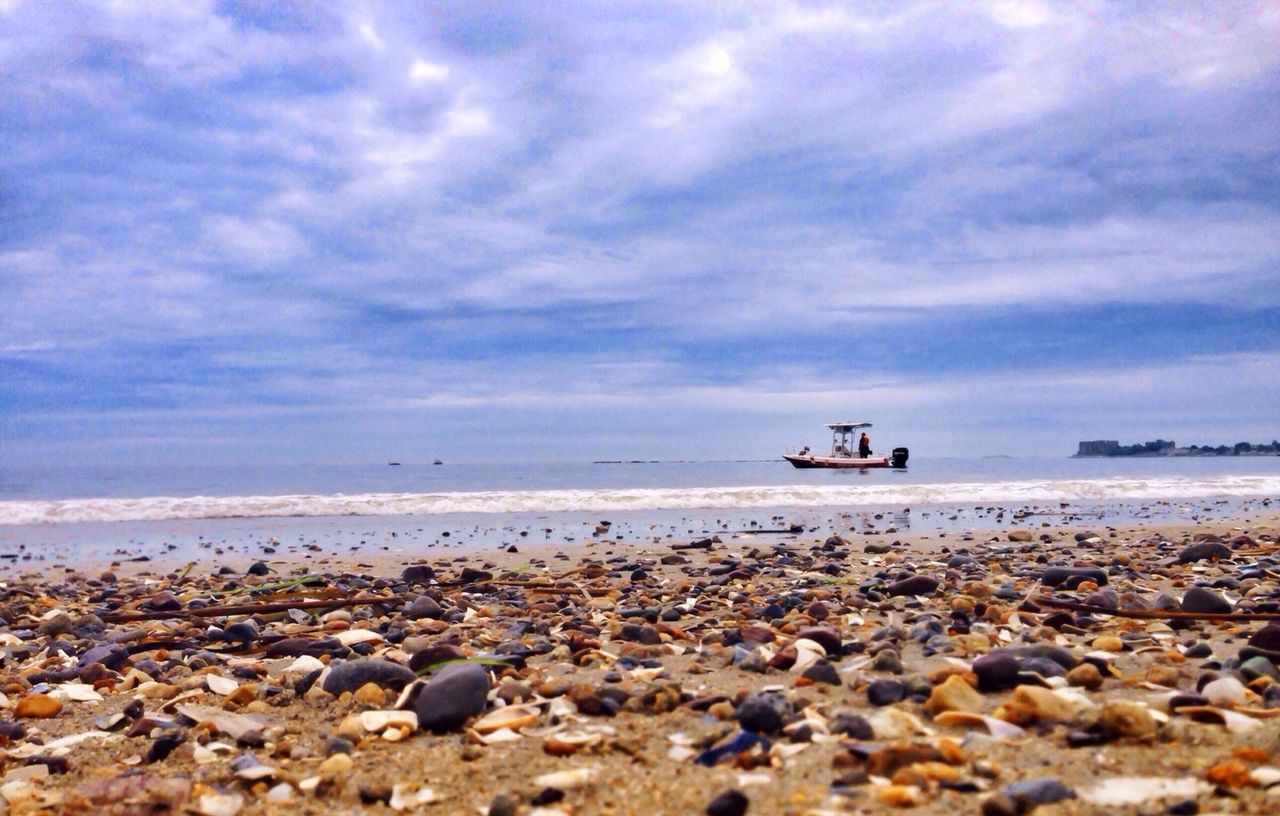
(836, 462)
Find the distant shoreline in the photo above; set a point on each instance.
(1180, 453)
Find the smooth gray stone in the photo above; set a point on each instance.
(352, 674)
(458, 692)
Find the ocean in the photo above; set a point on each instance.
(183, 511)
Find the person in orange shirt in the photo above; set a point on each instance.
(864, 446)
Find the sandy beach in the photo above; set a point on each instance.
(770, 672)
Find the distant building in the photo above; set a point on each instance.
(1099, 447)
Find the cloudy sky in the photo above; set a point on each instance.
(342, 232)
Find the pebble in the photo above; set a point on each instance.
(886, 692)
(352, 674)
(457, 692)
(996, 671)
(1199, 599)
(37, 706)
(954, 694)
(728, 803)
(915, 585)
(1086, 675)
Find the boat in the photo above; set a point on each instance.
(844, 451)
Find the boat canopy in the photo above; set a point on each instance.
(845, 427)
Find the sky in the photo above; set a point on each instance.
(251, 232)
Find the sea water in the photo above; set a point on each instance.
(116, 512)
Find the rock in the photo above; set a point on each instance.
(418, 574)
(1086, 675)
(1199, 599)
(915, 585)
(1108, 643)
(1031, 793)
(1204, 551)
(456, 693)
(886, 692)
(822, 672)
(997, 671)
(1259, 666)
(763, 713)
(849, 724)
(1124, 719)
(1071, 577)
(954, 694)
(433, 655)
(352, 674)
(424, 606)
(728, 803)
(877, 547)
(259, 568)
(887, 661)
(1021, 535)
(1268, 637)
(109, 655)
(828, 637)
(37, 706)
(59, 624)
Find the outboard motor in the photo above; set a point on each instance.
(899, 458)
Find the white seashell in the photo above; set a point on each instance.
(645, 675)
(893, 723)
(1001, 730)
(406, 694)
(513, 717)
(1124, 791)
(746, 780)
(1225, 692)
(495, 737)
(304, 665)
(220, 685)
(220, 804)
(404, 797)
(397, 733)
(280, 794)
(375, 721)
(350, 637)
(1234, 722)
(76, 692)
(61, 746)
(564, 780)
(680, 753)
(309, 784)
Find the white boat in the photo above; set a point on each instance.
(845, 451)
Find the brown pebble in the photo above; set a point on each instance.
(1086, 675)
(38, 706)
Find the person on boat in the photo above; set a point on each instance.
(864, 446)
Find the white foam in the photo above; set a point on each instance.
(555, 501)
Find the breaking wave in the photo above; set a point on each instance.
(599, 500)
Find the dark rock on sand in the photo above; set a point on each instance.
(353, 674)
(1199, 599)
(997, 671)
(915, 585)
(113, 657)
(1071, 577)
(885, 692)
(763, 713)
(1268, 638)
(728, 803)
(424, 606)
(437, 653)
(417, 574)
(1204, 551)
(457, 692)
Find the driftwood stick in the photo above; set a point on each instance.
(1157, 614)
(244, 609)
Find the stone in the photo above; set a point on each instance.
(728, 803)
(352, 674)
(109, 655)
(1031, 793)
(1204, 551)
(828, 637)
(886, 692)
(1259, 666)
(1225, 692)
(424, 606)
(1199, 599)
(456, 693)
(763, 713)
(915, 585)
(954, 694)
(37, 706)
(418, 574)
(1021, 535)
(823, 672)
(997, 671)
(887, 661)
(1071, 577)
(1108, 643)
(1123, 719)
(1086, 675)
(1268, 637)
